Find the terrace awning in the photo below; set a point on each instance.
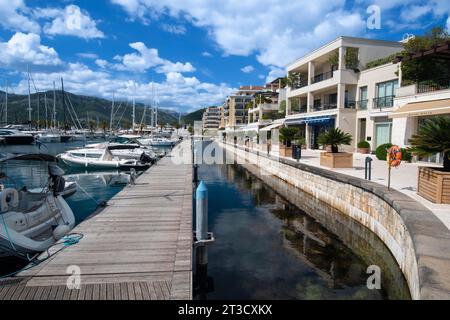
(272, 126)
(426, 108)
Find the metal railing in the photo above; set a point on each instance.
(362, 104)
(383, 102)
(322, 77)
(350, 104)
(300, 84)
(433, 85)
(325, 106)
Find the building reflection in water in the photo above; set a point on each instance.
(304, 249)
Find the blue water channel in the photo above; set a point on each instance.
(275, 242)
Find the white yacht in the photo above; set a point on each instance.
(100, 158)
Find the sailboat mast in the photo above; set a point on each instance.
(134, 106)
(54, 105)
(46, 112)
(6, 103)
(112, 114)
(64, 104)
(29, 96)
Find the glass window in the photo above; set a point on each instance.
(363, 93)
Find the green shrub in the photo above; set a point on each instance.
(363, 145)
(406, 155)
(381, 151)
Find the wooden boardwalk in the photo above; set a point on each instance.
(138, 247)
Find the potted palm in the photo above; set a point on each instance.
(286, 137)
(363, 147)
(434, 137)
(333, 138)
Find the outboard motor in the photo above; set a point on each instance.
(145, 158)
(57, 182)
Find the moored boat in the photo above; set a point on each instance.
(91, 158)
(33, 222)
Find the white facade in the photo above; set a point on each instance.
(327, 95)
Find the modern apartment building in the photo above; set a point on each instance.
(211, 118)
(331, 88)
(235, 106)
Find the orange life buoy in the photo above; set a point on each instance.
(394, 156)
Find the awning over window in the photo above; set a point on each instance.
(311, 120)
(272, 126)
(427, 108)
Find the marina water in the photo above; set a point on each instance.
(268, 247)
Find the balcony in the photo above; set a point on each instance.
(350, 104)
(433, 85)
(324, 106)
(362, 104)
(322, 77)
(300, 84)
(383, 102)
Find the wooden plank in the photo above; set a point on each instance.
(137, 290)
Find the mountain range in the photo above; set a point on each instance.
(96, 110)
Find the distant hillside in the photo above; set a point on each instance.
(193, 116)
(93, 108)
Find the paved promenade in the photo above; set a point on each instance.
(403, 178)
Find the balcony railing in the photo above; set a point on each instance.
(325, 106)
(300, 84)
(350, 104)
(362, 104)
(383, 102)
(433, 85)
(322, 77)
(302, 109)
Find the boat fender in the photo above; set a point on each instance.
(9, 198)
(60, 231)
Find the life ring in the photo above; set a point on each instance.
(394, 156)
(9, 198)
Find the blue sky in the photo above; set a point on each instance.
(190, 53)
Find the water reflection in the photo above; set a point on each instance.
(279, 243)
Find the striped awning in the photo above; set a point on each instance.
(426, 108)
(309, 120)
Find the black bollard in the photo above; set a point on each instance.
(368, 169)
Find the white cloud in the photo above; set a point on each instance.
(146, 58)
(175, 29)
(26, 49)
(290, 28)
(71, 21)
(101, 63)
(248, 69)
(275, 73)
(176, 91)
(88, 55)
(14, 16)
(206, 54)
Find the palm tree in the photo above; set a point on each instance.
(287, 134)
(433, 137)
(334, 138)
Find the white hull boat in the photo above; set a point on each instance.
(99, 159)
(33, 222)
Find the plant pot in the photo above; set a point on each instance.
(364, 150)
(285, 151)
(434, 185)
(336, 160)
